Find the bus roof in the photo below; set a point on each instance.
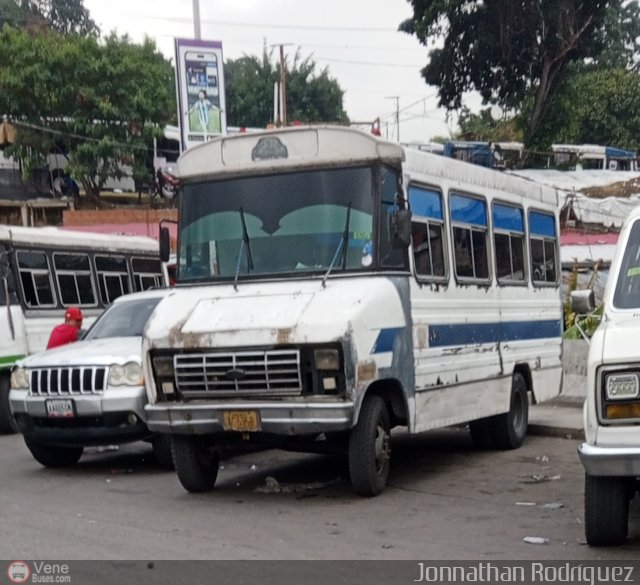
(53, 236)
(285, 148)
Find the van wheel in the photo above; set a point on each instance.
(53, 456)
(606, 510)
(510, 429)
(7, 421)
(480, 432)
(162, 451)
(196, 463)
(370, 448)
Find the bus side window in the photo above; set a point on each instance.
(469, 223)
(113, 277)
(35, 277)
(427, 230)
(543, 243)
(508, 239)
(147, 273)
(75, 280)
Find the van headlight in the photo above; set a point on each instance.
(622, 386)
(326, 359)
(128, 375)
(20, 379)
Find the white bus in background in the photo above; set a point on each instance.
(45, 270)
(333, 285)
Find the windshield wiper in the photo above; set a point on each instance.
(245, 242)
(342, 247)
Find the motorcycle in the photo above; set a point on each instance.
(164, 184)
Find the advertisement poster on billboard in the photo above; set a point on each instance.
(200, 89)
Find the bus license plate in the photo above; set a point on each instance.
(60, 408)
(241, 420)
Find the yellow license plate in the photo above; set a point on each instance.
(241, 420)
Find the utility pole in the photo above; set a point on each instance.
(397, 98)
(281, 117)
(196, 20)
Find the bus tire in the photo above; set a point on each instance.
(480, 431)
(606, 510)
(162, 451)
(196, 463)
(510, 429)
(8, 423)
(53, 456)
(370, 448)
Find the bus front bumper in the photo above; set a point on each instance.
(279, 418)
(610, 461)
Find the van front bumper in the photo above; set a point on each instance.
(280, 418)
(610, 461)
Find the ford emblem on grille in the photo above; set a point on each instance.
(235, 375)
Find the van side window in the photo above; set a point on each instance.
(35, 276)
(469, 222)
(627, 291)
(543, 242)
(427, 231)
(147, 273)
(113, 277)
(75, 282)
(508, 239)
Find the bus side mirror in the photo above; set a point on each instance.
(165, 244)
(582, 302)
(401, 228)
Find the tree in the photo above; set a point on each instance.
(101, 102)
(484, 127)
(311, 96)
(506, 50)
(63, 16)
(11, 13)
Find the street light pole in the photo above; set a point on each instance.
(196, 20)
(397, 98)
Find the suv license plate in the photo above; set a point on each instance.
(241, 420)
(60, 408)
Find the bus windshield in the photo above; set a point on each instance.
(285, 223)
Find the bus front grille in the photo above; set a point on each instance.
(246, 373)
(73, 381)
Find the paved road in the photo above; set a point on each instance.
(444, 501)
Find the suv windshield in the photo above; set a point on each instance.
(124, 319)
(285, 223)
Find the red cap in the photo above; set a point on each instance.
(73, 313)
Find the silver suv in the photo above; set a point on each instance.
(90, 392)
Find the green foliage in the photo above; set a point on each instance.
(482, 126)
(103, 101)
(13, 14)
(589, 324)
(64, 16)
(311, 96)
(594, 106)
(507, 50)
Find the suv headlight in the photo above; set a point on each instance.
(20, 379)
(128, 375)
(622, 386)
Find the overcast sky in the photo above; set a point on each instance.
(356, 39)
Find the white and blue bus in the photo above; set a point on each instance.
(333, 285)
(44, 270)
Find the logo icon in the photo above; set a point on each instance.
(18, 572)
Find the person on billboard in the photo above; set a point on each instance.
(204, 116)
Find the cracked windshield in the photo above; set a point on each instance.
(290, 223)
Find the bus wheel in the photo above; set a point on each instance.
(370, 448)
(606, 510)
(510, 429)
(162, 451)
(54, 456)
(196, 463)
(7, 421)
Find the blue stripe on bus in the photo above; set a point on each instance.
(385, 339)
(474, 333)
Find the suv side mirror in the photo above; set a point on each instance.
(165, 244)
(401, 228)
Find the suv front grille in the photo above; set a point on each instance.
(68, 381)
(241, 373)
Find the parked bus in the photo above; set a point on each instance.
(44, 270)
(333, 285)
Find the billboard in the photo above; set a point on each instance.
(200, 91)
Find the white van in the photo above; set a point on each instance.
(611, 451)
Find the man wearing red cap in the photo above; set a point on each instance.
(68, 331)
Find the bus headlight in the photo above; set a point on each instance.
(20, 379)
(128, 375)
(622, 386)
